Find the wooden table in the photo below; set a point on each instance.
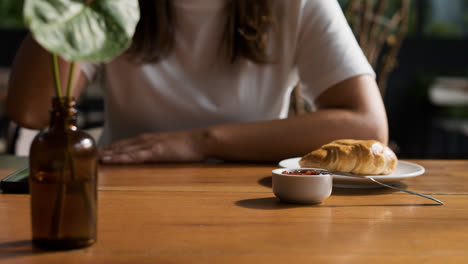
(227, 213)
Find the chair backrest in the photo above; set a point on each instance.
(379, 27)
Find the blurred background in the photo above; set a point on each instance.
(422, 71)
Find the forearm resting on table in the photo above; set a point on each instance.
(31, 85)
(351, 109)
(256, 141)
(295, 136)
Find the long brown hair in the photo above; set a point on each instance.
(245, 34)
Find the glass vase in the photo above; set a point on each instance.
(63, 182)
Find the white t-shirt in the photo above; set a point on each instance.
(194, 87)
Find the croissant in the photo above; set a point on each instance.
(352, 156)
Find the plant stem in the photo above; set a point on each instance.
(58, 89)
(70, 79)
(58, 208)
(59, 202)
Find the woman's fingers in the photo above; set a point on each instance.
(135, 156)
(121, 144)
(124, 149)
(156, 147)
(128, 145)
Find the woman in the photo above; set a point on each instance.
(212, 79)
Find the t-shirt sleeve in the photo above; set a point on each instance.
(90, 69)
(327, 51)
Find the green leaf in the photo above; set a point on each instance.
(78, 31)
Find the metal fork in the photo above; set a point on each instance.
(383, 184)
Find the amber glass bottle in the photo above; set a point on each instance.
(63, 179)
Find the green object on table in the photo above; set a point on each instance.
(16, 182)
(18, 175)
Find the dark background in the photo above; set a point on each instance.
(415, 122)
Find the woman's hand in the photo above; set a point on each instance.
(183, 146)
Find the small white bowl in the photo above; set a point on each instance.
(306, 189)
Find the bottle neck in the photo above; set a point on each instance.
(63, 114)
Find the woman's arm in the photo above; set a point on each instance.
(31, 85)
(350, 109)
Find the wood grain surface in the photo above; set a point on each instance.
(227, 213)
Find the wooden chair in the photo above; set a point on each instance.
(379, 27)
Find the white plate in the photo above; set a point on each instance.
(403, 171)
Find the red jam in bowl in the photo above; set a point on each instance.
(301, 172)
